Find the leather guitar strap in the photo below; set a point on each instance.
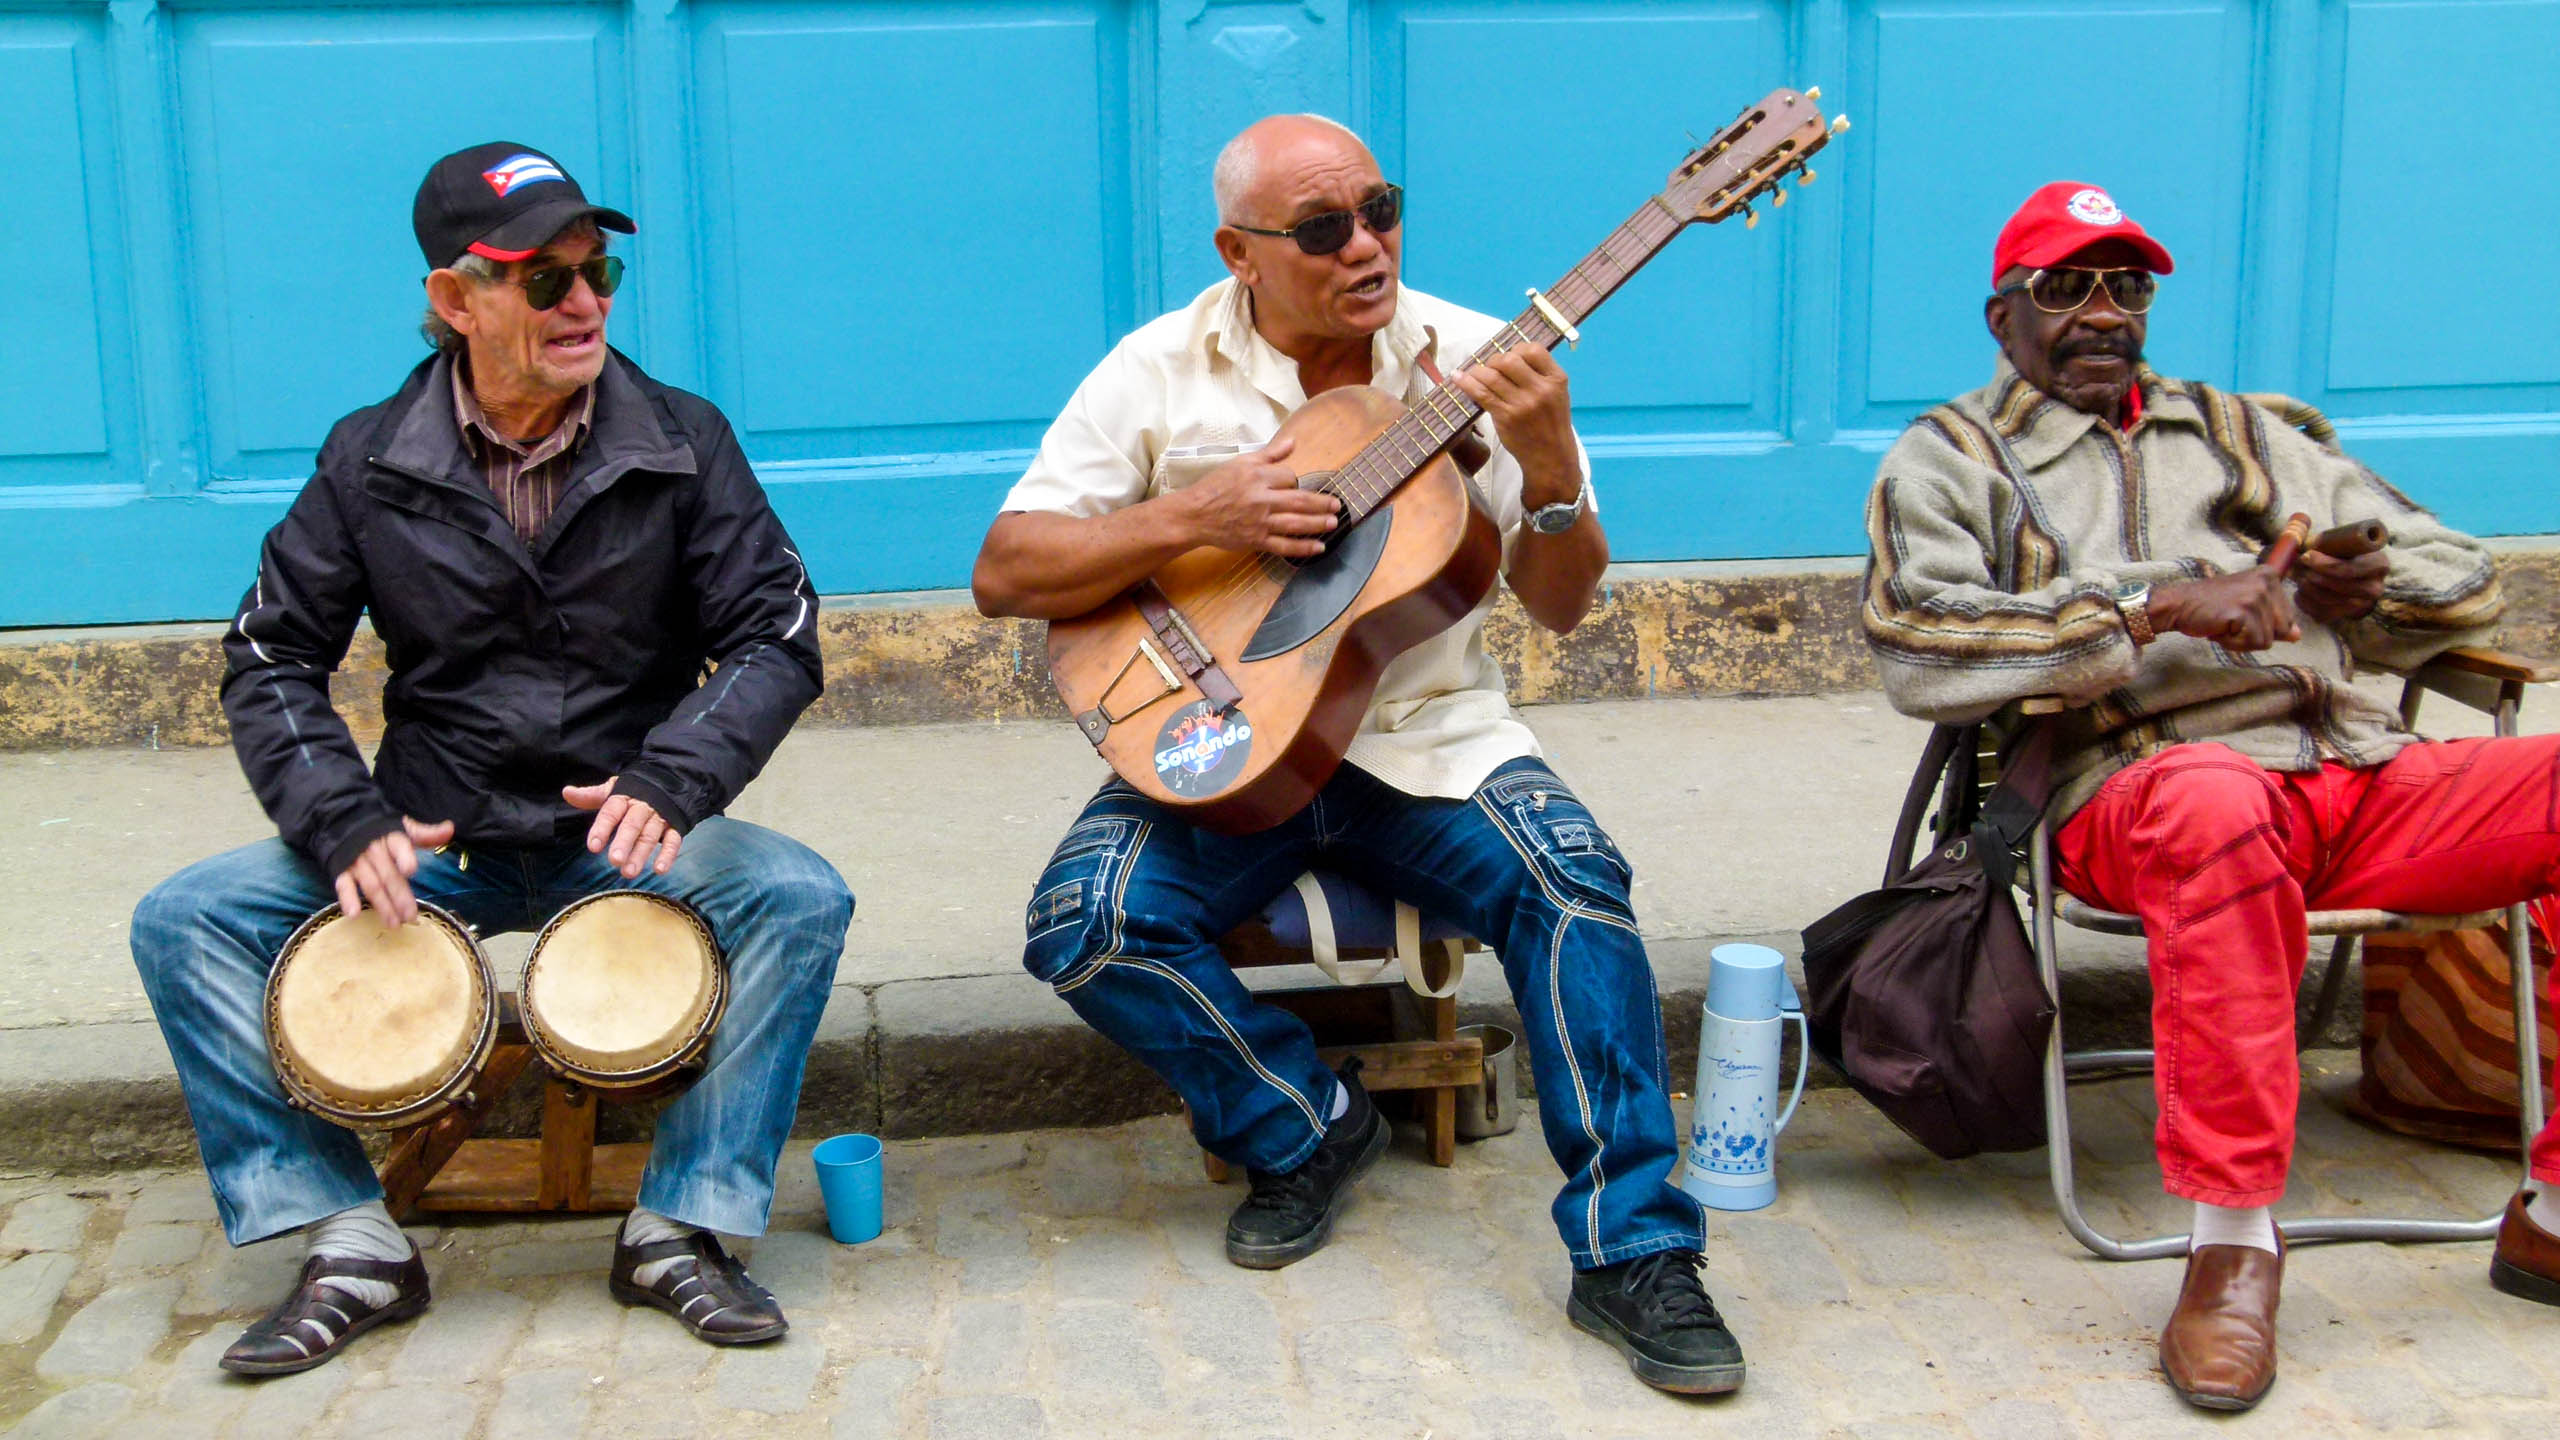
(1178, 647)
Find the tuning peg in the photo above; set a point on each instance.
(1750, 218)
(1813, 92)
(1777, 197)
(1804, 175)
(1840, 126)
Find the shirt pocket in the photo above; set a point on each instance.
(1181, 466)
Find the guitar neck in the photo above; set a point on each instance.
(1425, 430)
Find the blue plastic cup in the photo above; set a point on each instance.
(849, 1182)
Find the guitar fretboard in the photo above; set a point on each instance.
(1424, 431)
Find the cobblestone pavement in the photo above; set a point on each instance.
(1072, 1283)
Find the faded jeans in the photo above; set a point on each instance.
(207, 936)
(1126, 919)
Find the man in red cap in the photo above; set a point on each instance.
(2086, 528)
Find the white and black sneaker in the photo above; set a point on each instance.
(318, 1318)
(1655, 1310)
(1290, 1213)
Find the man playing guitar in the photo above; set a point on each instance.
(1444, 800)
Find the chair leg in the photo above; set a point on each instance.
(2333, 985)
(2529, 1111)
(2059, 1160)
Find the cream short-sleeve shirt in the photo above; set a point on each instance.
(1190, 391)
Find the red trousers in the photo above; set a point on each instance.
(2221, 857)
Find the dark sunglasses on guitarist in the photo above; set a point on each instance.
(1323, 234)
(548, 286)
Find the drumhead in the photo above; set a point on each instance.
(366, 1023)
(622, 985)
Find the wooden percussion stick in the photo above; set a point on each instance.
(2279, 556)
(2346, 542)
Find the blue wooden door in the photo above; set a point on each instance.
(888, 236)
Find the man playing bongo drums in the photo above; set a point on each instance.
(554, 549)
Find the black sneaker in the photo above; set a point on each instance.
(1656, 1311)
(1289, 1214)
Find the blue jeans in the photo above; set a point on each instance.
(207, 936)
(1126, 920)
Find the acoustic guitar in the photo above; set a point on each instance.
(1227, 685)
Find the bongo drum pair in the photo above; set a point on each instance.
(383, 1028)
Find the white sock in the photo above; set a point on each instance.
(2234, 1225)
(2544, 1208)
(1341, 1102)
(364, 1232)
(648, 1227)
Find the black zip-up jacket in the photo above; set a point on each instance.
(515, 669)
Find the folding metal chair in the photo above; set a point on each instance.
(2485, 680)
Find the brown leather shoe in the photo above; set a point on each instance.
(707, 1289)
(2527, 1263)
(2220, 1347)
(316, 1320)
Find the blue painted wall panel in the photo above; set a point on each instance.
(53, 384)
(2424, 299)
(306, 311)
(889, 235)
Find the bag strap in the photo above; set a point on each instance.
(1945, 741)
(2011, 810)
(1321, 947)
(1432, 981)
(1409, 950)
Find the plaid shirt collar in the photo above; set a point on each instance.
(478, 434)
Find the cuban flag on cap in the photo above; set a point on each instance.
(520, 170)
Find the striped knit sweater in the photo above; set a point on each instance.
(2002, 522)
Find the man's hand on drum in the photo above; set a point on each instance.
(631, 828)
(1525, 392)
(379, 880)
(1253, 503)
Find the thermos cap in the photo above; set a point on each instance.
(1747, 982)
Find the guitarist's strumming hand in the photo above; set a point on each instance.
(1253, 503)
(1526, 393)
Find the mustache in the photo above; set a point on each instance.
(2124, 347)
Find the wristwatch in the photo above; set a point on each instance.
(1558, 518)
(2133, 602)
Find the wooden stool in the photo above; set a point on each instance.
(1361, 1020)
(439, 1165)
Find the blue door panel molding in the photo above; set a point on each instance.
(64, 370)
(888, 236)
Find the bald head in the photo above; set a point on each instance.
(1269, 147)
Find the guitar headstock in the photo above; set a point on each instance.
(1752, 156)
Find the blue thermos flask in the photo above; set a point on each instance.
(1734, 1118)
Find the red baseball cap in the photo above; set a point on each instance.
(2062, 219)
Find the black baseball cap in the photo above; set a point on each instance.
(501, 200)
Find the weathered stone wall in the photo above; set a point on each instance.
(1674, 630)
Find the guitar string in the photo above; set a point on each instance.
(1369, 484)
(1362, 483)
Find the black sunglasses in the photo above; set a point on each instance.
(1323, 234)
(2059, 292)
(548, 286)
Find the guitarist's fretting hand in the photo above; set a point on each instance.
(1525, 392)
(1253, 503)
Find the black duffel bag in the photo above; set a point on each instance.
(1925, 993)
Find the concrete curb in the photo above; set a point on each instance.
(1710, 628)
(904, 1059)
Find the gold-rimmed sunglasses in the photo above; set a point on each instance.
(2130, 288)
